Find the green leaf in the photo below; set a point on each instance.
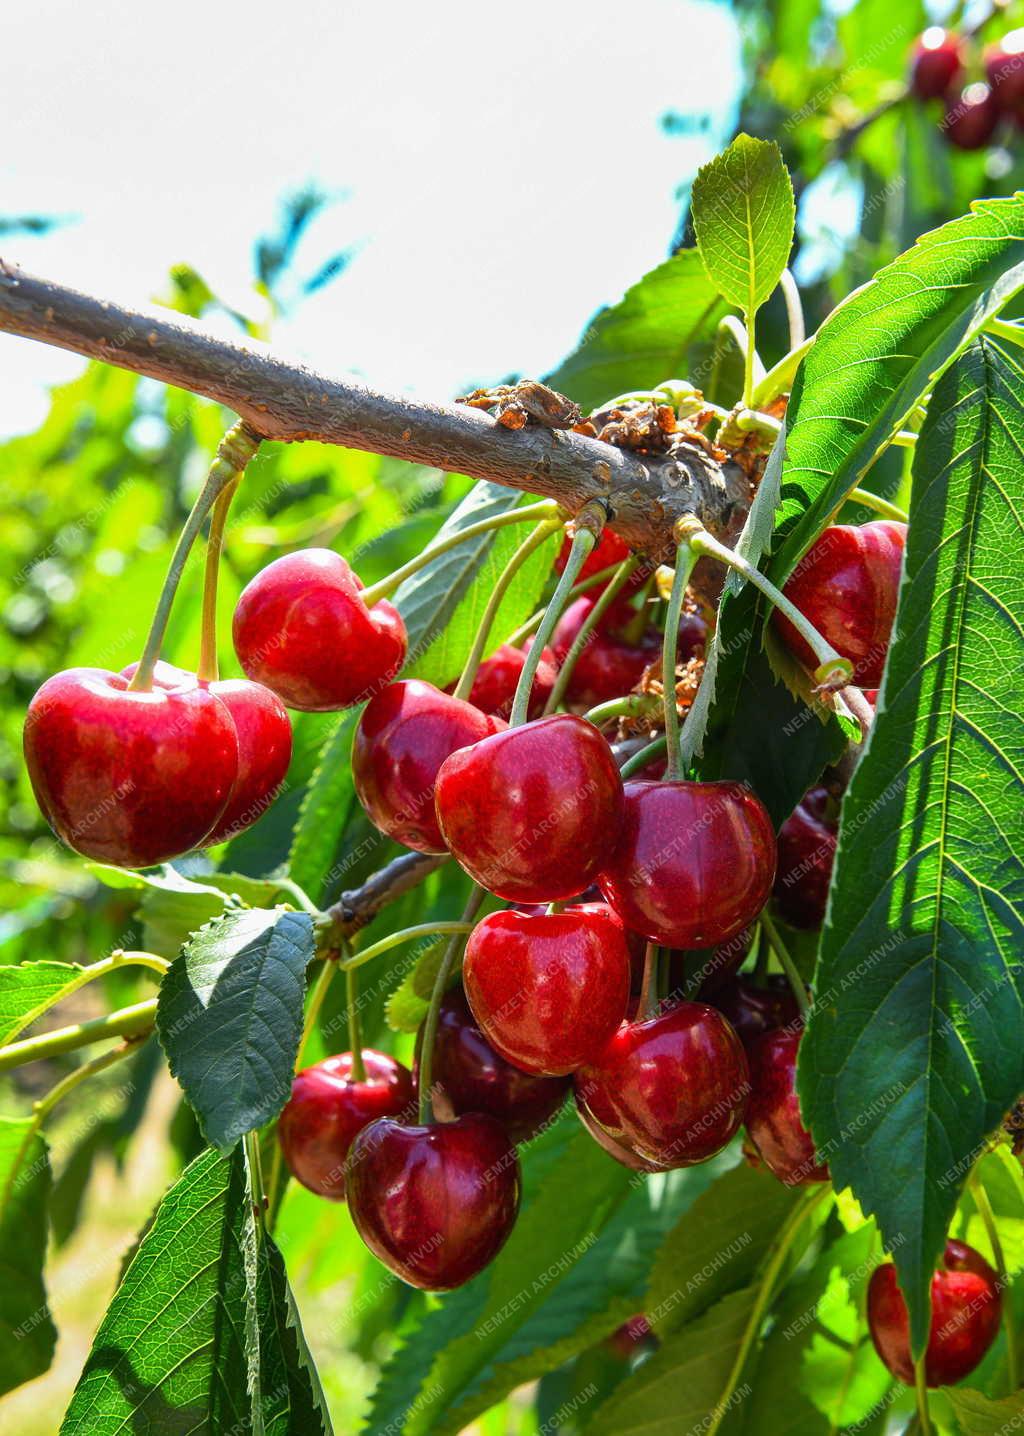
(915, 1048)
(27, 989)
(230, 1016)
(325, 811)
(291, 1398)
(27, 1332)
(647, 337)
(979, 1416)
(743, 214)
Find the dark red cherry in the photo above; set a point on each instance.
(622, 1154)
(302, 629)
(846, 585)
(966, 1310)
(435, 1204)
(936, 63)
(131, 778)
(404, 735)
(609, 665)
(328, 1108)
(774, 1123)
(752, 1009)
(494, 686)
(672, 1089)
(694, 862)
(531, 813)
(1004, 69)
(807, 849)
(971, 119)
(548, 990)
(631, 1338)
(609, 549)
(470, 1076)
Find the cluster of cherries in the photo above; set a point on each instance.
(938, 64)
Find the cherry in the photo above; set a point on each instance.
(264, 735)
(753, 1010)
(672, 1089)
(1004, 68)
(470, 1076)
(631, 1338)
(609, 549)
(329, 1107)
(494, 686)
(972, 119)
(966, 1309)
(404, 735)
(846, 585)
(936, 63)
(774, 1123)
(435, 1204)
(807, 849)
(622, 1154)
(131, 778)
(694, 862)
(548, 990)
(530, 813)
(302, 629)
(610, 664)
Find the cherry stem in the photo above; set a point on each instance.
(473, 906)
(648, 1006)
(921, 1393)
(316, 1000)
(395, 939)
(260, 1202)
(641, 759)
(622, 576)
(878, 505)
(631, 705)
(545, 509)
(637, 625)
(540, 534)
(135, 1021)
(584, 586)
(686, 558)
(794, 309)
(233, 453)
(834, 670)
(355, 1037)
(977, 1190)
(208, 671)
(789, 967)
(761, 949)
(589, 522)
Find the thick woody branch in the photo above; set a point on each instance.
(358, 906)
(286, 401)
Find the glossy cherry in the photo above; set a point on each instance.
(403, 736)
(972, 118)
(622, 1154)
(694, 862)
(966, 1309)
(531, 813)
(752, 1009)
(302, 629)
(435, 1204)
(846, 585)
(807, 848)
(1004, 69)
(548, 990)
(468, 1075)
(131, 778)
(936, 63)
(494, 686)
(328, 1108)
(774, 1123)
(672, 1089)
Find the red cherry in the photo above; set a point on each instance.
(633, 1336)
(530, 813)
(435, 1204)
(807, 849)
(609, 549)
(548, 991)
(966, 1310)
(610, 664)
(936, 63)
(753, 1010)
(774, 1123)
(694, 862)
(131, 778)
(672, 1089)
(846, 585)
(494, 686)
(404, 735)
(972, 119)
(302, 629)
(622, 1154)
(327, 1110)
(470, 1076)
(1004, 68)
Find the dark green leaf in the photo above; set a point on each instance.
(230, 1018)
(27, 1332)
(743, 214)
(916, 1045)
(291, 1399)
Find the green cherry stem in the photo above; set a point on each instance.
(833, 671)
(789, 967)
(646, 755)
(622, 576)
(395, 939)
(878, 505)
(207, 671)
(233, 454)
(260, 1200)
(355, 1037)
(589, 522)
(686, 558)
(631, 705)
(921, 1394)
(316, 1000)
(648, 1006)
(545, 509)
(584, 586)
(539, 536)
(473, 906)
(984, 1206)
(135, 1021)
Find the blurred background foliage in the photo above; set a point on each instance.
(91, 504)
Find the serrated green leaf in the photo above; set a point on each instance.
(291, 1399)
(980, 1416)
(27, 989)
(743, 214)
(915, 1047)
(27, 1332)
(229, 1017)
(407, 1006)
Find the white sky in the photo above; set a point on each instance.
(506, 169)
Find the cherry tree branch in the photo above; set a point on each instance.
(286, 401)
